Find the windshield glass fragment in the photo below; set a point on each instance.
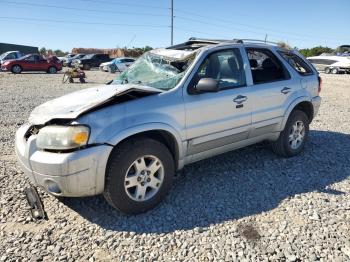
(156, 71)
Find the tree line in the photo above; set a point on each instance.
(47, 52)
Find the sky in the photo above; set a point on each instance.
(66, 24)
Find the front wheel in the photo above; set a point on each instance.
(52, 70)
(138, 176)
(292, 139)
(327, 70)
(16, 69)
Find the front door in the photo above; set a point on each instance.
(214, 120)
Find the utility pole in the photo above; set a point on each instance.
(172, 21)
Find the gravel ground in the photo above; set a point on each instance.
(247, 205)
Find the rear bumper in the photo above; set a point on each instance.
(74, 174)
(316, 102)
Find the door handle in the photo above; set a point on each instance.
(240, 99)
(285, 90)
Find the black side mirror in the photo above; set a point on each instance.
(206, 85)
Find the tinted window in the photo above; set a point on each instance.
(225, 66)
(30, 58)
(130, 60)
(11, 56)
(297, 63)
(265, 66)
(101, 56)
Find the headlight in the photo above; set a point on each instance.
(62, 137)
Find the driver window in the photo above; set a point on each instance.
(11, 56)
(225, 66)
(30, 58)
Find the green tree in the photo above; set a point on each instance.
(315, 51)
(59, 52)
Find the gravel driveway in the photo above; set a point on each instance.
(246, 205)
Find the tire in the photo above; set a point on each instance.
(335, 71)
(124, 159)
(86, 67)
(16, 69)
(284, 146)
(82, 80)
(52, 70)
(327, 70)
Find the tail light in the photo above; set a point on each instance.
(319, 84)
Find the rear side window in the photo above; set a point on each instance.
(297, 63)
(265, 66)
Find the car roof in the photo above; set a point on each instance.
(196, 43)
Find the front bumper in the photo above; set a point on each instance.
(75, 174)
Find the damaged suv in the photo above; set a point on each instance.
(172, 107)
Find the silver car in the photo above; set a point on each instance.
(172, 107)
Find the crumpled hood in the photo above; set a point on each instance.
(72, 105)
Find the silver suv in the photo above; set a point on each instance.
(172, 107)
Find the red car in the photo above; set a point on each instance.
(32, 62)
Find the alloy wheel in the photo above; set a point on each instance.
(297, 135)
(144, 178)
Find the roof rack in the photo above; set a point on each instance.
(194, 43)
(259, 41)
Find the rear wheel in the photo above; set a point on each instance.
(327, 70)
(16, 69)
(86, 67)
(335, 71)
(292, 139)
(139, 174)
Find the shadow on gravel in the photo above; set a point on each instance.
(232, 186)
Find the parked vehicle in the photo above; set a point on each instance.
(91, 60)
(119, 64)
(170, 108)
(10, 55)
(68, 61)
(64, 58)
(32, 62)
(331, 64)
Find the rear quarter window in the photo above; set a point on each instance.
(297, 63)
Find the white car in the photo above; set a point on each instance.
(331, 64)
(10, 55)
(66, 57)
(120, 64)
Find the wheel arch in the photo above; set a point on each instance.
(162, 133)
(302, 104)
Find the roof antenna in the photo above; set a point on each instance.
(265, 38)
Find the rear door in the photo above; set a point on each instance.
(41, 63)
(215, 120)
(272, 85)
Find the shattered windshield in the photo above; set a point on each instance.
(155, 71)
